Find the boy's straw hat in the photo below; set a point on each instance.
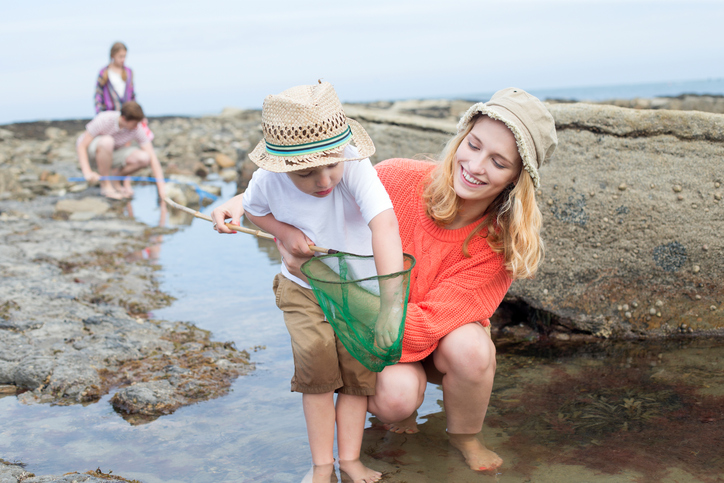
(301, 125)
(532, 125)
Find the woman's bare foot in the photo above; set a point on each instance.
(357, 472)
(406, 426)
(321, 474)
(476, 455)
(110, 192)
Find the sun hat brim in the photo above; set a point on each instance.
(285, 164)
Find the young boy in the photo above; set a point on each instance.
(314, 188)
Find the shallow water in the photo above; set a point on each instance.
(599, 413)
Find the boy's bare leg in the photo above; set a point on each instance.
(321, 474)
(319, 414)
(351, 413)
(104, 160)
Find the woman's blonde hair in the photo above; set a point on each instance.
(512, 221)
(115, 48)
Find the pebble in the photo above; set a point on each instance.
(658, 314)
(592, 194)
(627, 315)
(622, 187)
(652, 311)
(677, 188)
(717, 196)
(615, 197)
(598, 244)
(696, 269)
(713, 308)
(680, 197)
(545, 291)
(653, 186)
(693, 205)
(705, 247)
(605, 220)
(634, 304)
(550, 202)
(625, 307)
(620, 308)
(697, 297)
(717, 184)
(595, 255)
(539, 192)
(659, 303)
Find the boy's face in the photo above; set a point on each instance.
(319, 181)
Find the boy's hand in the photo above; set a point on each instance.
(234, 209)
(388, 325)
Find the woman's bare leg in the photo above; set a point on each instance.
(399, 391)
(466, 357)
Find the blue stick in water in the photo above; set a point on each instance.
(202, 194)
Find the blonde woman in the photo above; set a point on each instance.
(473, 225)
(114, 84)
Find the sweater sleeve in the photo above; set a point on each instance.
(99, 102)
(452, 304)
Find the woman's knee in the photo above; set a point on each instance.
(397, 394)
(468, 352)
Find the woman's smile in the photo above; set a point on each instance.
(469, 178)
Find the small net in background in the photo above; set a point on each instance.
(366, 311)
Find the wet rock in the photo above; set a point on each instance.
(224, 161)
(84, 209)
(33, 372)
(146, 398)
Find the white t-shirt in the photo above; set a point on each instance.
(339, 220)
(119, 85)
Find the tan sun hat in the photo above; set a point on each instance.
(303, 124)
(525, 115)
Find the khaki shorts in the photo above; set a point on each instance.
(321, 363)
(119, 155)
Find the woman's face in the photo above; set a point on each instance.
(120, 58)
(486, 161)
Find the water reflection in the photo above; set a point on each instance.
(624, 412)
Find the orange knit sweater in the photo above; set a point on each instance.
(447, 290)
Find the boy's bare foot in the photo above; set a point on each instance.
(126, 189)
(321, 474)
(476, 455)
(111, 193)
(406, 426)
(357, 472)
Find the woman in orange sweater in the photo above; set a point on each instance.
(473, 225)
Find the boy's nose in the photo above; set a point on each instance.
(323, 181)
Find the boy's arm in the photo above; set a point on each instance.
(387, 249)
(156, 169)
(293, 244)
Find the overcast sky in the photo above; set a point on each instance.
(196, 57)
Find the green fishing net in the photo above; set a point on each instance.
(366, 311)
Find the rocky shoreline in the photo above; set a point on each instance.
(632, 215)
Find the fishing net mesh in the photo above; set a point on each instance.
(367, 311)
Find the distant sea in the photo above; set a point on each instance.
(627, 91)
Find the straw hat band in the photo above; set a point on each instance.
(312, 147)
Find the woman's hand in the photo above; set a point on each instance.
(233, 208)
